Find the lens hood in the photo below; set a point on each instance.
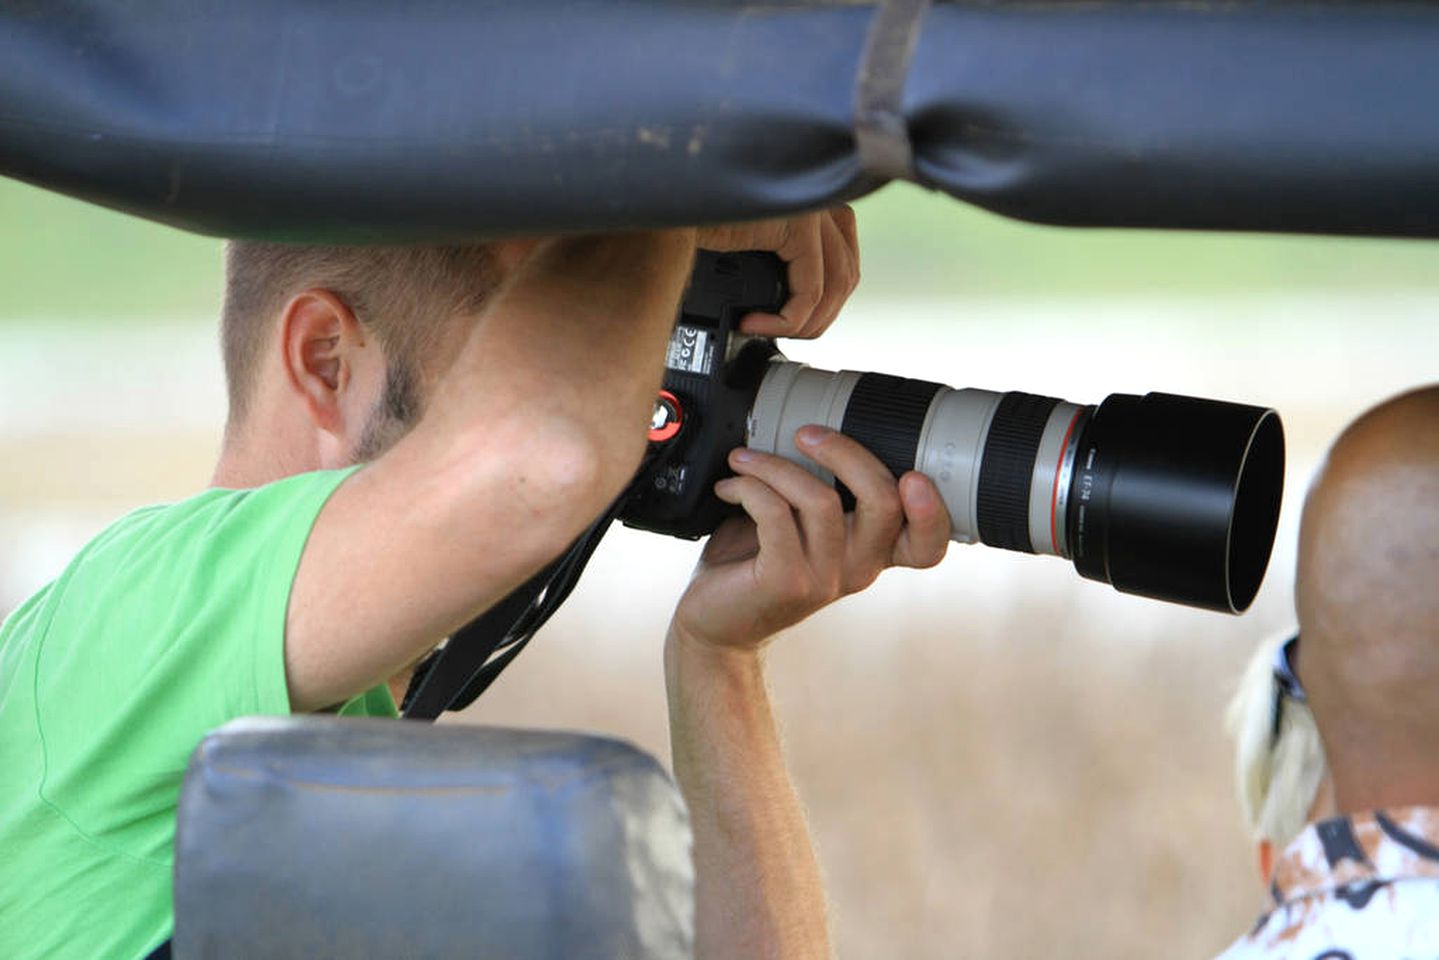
(1177, 498)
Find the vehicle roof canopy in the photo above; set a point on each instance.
(371, 121)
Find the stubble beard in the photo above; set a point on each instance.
(394, 414)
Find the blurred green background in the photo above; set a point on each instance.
(64, 259)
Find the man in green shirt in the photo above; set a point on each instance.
(497, 397)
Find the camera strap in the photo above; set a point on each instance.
(881, 131)
(441, 677)
(453, 677)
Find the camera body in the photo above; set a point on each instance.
(712, 373)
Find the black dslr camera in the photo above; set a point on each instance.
(1166, 496)
(712, 374)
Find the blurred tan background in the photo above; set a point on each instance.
(999, 758)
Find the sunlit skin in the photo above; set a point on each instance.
(496, 478)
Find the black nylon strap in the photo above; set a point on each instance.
(560, 585)
(468, 649)
(880, 131)
(463, 669)
(417, 678)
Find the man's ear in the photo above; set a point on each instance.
(321, 337)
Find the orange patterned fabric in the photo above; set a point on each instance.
(1359, 887)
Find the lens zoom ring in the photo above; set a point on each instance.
(1007, 467)
(886, 414)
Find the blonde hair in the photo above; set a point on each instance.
(1278, 777)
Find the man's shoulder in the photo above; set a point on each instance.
(147, 553)
(31, 615)
(207, 511)
(164, 626)
(1375, 919)
(1360, 885)
(144, 522)
(210, 516)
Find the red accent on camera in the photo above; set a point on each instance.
(671, 427)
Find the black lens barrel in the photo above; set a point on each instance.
(1177, 498)
(1006, 469)
(886, 415)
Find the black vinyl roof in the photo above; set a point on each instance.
(360, 120)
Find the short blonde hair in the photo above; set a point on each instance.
(1278, 776)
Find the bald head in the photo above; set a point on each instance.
(1368, 601)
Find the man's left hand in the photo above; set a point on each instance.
(796, 550)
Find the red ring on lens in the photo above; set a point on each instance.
(1054, 493)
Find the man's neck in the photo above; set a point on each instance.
(248, 461)
(1386, 787)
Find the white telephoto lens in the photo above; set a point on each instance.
(945, 434)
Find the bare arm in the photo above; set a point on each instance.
(538, 425)
(758, 888)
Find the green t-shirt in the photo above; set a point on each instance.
(167, 625)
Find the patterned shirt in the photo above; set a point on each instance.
(1360, 887)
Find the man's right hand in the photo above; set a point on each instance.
(821, 251)
(538, 425)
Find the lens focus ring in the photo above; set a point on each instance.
(1007, 468)
(886, 415)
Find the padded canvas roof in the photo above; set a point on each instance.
(363, 120)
